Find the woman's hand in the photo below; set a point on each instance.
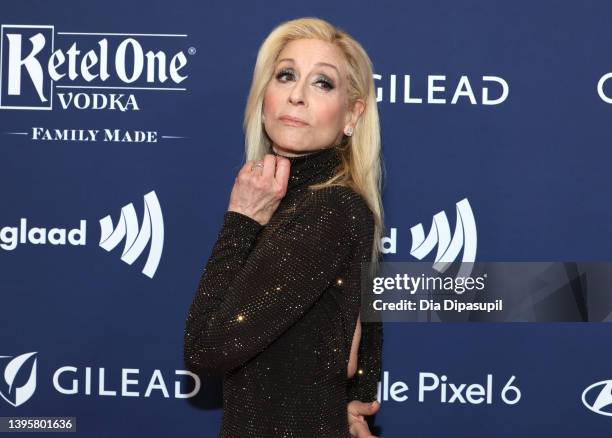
(358, 427)
(257, 193)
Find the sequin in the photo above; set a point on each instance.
(276, 308)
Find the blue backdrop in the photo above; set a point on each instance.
(504, 104)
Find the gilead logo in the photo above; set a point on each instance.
(18, 381)
(18, 378)
(31, 66)
(439, 91)
(71, 380)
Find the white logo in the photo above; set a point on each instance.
(18, 395)
(84, 68)
(69, 380)
(135, 240)
(440, 233)
(432, 387)
(602, 400)
(10, 237)
(600, 88)
(152, 229)
(437, 90)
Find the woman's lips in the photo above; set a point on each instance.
(292, 122)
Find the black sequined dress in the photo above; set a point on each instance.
(276, 309)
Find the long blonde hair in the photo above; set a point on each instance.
(361, 167)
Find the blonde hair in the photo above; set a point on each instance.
(361, 167)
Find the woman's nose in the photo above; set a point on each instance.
(297, 95)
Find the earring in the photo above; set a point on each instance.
(348, 131)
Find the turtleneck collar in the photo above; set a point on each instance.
(312, 168)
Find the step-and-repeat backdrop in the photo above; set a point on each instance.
(120, 138)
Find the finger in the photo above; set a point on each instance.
(360, 430)
(246, 168)
(282, 171)
(269, 168)
(257, 167)
(355, 417)
(365, 408)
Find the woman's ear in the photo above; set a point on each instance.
(354, 113)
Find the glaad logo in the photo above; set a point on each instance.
(86, 62)
(152, 229)
(448, 249)
(602, 402)
(18, 395)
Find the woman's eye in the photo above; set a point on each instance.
(326, 84)
(282, 74)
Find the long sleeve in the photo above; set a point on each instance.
(363, 385)
(248, 295)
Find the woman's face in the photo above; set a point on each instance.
(309, 83)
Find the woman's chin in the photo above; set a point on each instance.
(296, 147)
(289, 151)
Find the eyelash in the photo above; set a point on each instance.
(328, 84)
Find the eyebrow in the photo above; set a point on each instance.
(318, 63)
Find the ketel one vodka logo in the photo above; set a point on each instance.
(18, 378)
(85, 70)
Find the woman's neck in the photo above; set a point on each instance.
(289, 154)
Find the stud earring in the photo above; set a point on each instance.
(348, 131)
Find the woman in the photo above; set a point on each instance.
(277, 307)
